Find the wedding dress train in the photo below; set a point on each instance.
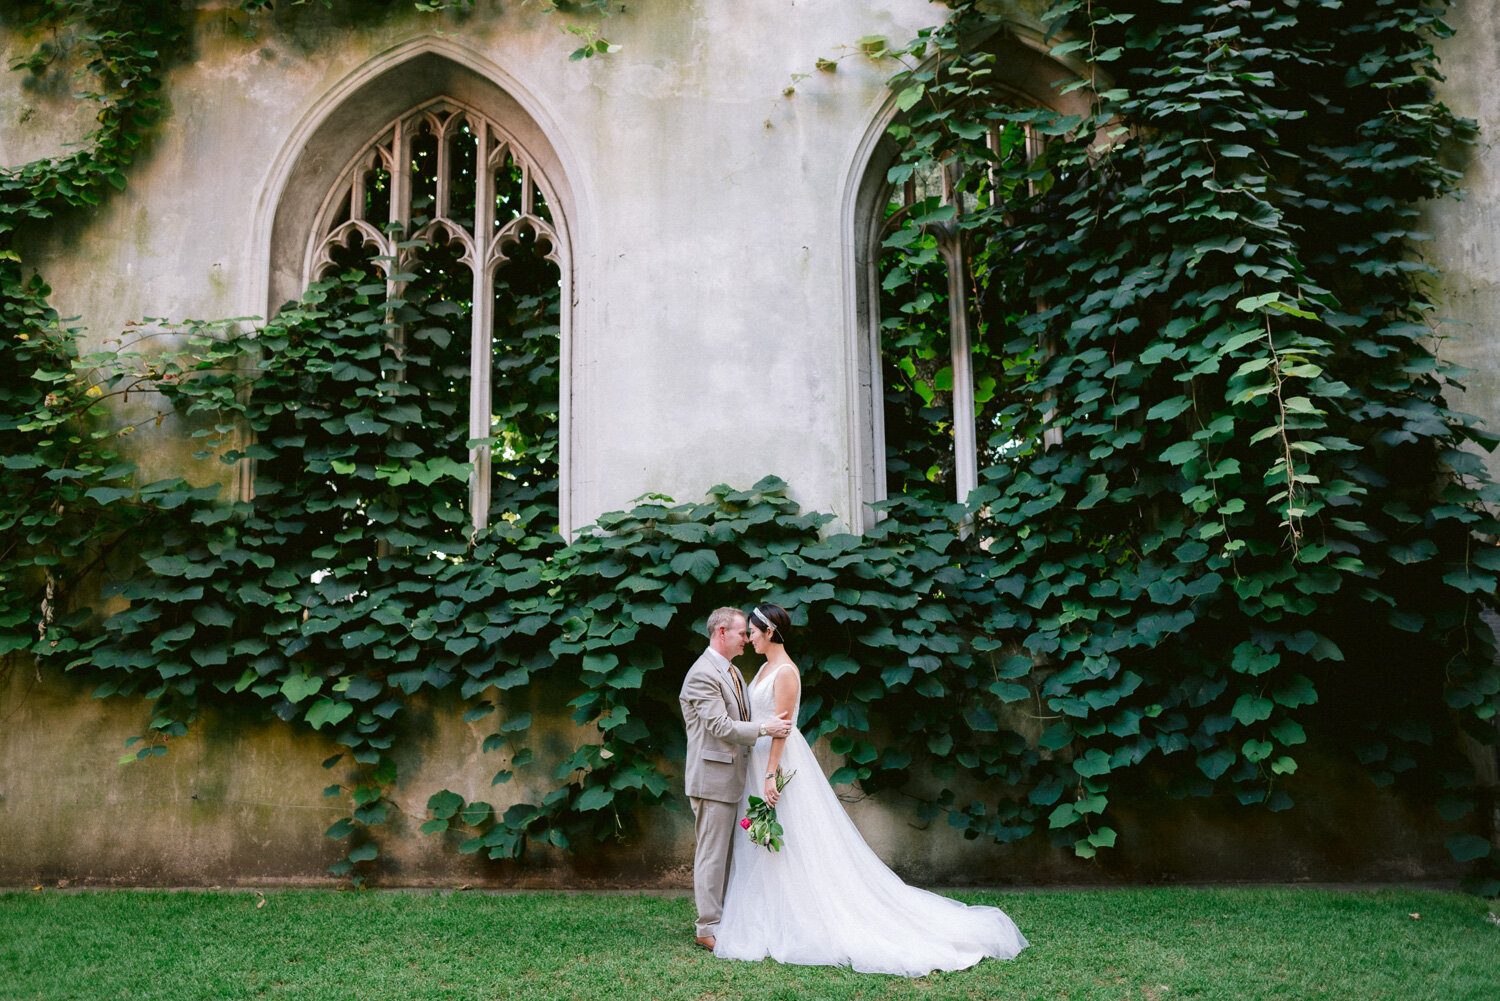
(826, 899)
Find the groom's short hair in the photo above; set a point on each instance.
(721, 617)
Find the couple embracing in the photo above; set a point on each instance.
(824, 899)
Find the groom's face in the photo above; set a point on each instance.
(734, 637)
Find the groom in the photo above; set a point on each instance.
(717, 711)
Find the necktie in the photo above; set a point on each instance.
(739, 689)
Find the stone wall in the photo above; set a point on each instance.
(1465, 245)
(238, 802)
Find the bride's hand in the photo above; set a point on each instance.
(772, 793)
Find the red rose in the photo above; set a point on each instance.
(745, 823)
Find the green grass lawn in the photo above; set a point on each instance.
(1270, 943)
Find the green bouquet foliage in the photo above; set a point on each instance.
(760, 819)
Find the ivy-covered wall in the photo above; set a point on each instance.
(1216, 608)
(640, 133)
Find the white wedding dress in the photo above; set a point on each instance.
(826, 899)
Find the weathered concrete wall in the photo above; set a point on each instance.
(1466, 233)
(238, 802)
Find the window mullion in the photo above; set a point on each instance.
(484, 194)
(401, 179)
(965, 436)
(444, 182)
(879, 487)
(481, 362)
(400, 216)
(480, 368)
(357, 196)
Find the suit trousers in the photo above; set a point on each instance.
(713, 825)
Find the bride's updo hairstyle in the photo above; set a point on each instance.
(773, 620)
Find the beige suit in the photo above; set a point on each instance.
(718, 742)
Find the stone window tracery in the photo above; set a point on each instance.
(448, 206)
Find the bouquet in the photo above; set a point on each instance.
(760, 819)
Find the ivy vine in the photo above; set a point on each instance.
(62, 467)
(1254, 513)
(1225, 509)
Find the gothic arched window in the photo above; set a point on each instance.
(944, 320)
(449, 208)
(933, 275)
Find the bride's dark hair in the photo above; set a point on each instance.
(774, 616)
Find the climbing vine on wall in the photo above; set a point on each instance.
(1224, 507)
(71, 507)
(64, 480)
(1255, 513)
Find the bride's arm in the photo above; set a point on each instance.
(788, 685)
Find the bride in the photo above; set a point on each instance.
(826, 899)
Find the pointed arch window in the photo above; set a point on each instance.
(934, 350)
(941, 323)
(450, 208)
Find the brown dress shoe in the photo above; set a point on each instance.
(706, 941)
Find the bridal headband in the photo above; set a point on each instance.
(761, 620)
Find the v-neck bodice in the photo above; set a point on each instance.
(763, 696)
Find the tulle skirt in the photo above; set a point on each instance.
(826, 899)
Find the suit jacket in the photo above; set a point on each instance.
(717, 739)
